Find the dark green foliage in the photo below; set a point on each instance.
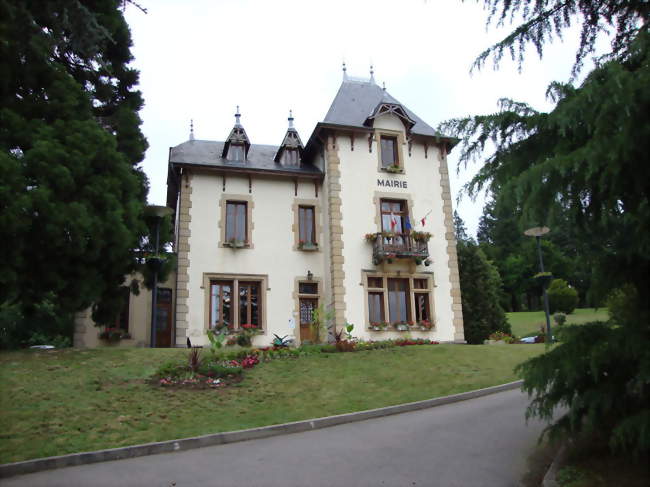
(601, 389)
(583, 166)
(561, 297)
(480, 286)
(214, 370)
(71, 194)
(545, 20)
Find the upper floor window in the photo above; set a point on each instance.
(307, 230)
(236, 221)
(389, 151)
(236, 152)
(394, 215)
(290, 157)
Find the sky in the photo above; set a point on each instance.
(199, 59)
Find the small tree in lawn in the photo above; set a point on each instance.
(562, 297)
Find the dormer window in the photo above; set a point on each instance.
(288, 153)
(236, 152)
(291, 157)
(389, 151)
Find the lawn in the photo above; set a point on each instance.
(527, 323)
(58, 402)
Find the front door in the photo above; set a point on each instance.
(307, 307)
(164, 318)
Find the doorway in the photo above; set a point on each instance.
(164, 318)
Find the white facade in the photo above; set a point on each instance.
(342, 176)
(266, 234)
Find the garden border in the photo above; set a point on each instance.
(85, 458)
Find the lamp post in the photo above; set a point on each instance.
(537, 232)
(157, 213)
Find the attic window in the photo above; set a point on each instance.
(290, 157)
(389, 151)
(236, 152)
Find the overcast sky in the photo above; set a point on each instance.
(198, 59)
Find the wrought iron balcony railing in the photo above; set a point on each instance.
(398, 246)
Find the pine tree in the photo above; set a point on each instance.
(584, 161)
(72, 194)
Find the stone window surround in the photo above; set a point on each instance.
(263, 279)
(295, 227)
(225, 198)
(381, 195)
(296, 299)
(365, 274)
(401, 141)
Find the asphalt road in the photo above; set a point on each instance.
(479, 442)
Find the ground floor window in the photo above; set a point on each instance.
(122, 320)
(234, 303)
(394, 300)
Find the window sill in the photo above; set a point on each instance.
(308, 247)
(236, 245)
(392, 170)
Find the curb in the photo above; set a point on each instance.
(76, 459)
(549, 479)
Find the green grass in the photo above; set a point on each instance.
(67, 401)
(527, 323)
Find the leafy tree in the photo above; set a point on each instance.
(480, 286)
(584, 161)
(72, 194)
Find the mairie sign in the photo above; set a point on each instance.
(391, 183)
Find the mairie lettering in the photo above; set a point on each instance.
(391, 183)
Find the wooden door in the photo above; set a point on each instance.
(164, 318)
(307, 307)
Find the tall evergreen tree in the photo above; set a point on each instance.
(72, 194)
(584, 160)
(480, 286)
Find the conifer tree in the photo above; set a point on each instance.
(72, 193)
(584, 161)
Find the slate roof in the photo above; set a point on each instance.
(207, 153)
(357, 100)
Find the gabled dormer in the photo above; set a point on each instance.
(386, 107)
(290, 152)
(236, 147)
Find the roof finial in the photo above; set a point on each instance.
(383, 85)
(191, 129)
(290, 119)
(345, 72)
(237, 115)
(372, 73)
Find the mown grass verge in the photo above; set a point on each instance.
(68, 401)
(527, 323)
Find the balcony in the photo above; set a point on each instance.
(386, 247)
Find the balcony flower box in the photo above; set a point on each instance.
(402, 327)
(420, 236)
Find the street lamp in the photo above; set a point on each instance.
(157, 213)
(537, 232)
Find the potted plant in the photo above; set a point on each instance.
(370, 237)
(302, 245)
(402, 326)
(235, 244)
(425, 325)
(420, 236)
(393, 168)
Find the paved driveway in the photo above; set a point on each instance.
(479, 442)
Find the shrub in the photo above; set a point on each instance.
(559, 318)
(621, 305)
(561, 297)
(216, 371)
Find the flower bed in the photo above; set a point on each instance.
(224, 367)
